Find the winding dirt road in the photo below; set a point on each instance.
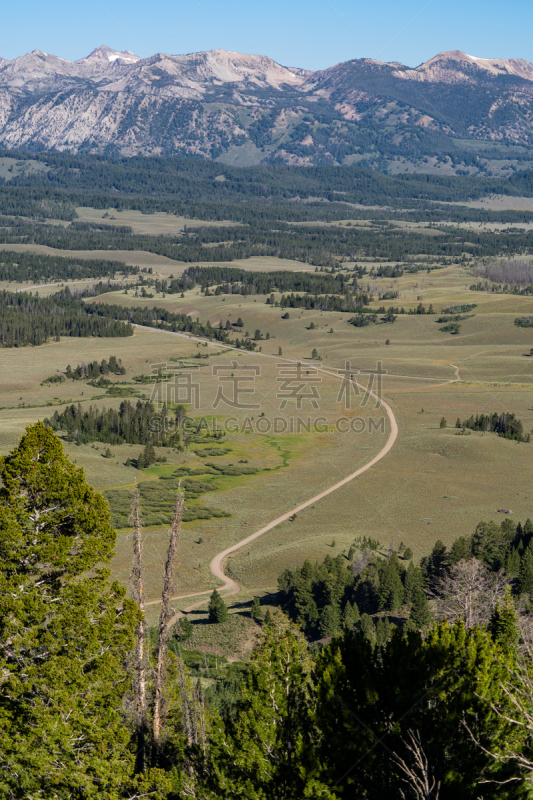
(229, 586)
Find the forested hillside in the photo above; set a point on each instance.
(92, 706)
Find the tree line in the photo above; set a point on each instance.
(504, 424)
(95, 369)
(34, 267)
(314, 244)
(29, 320)
(232, 280)
(129, 423)
(192, 179)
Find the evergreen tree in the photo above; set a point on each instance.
(525, 578)
(391, 587)
(350, 615)
(265, 748)
(184, 629)
(443, 423)
(384, 631)
(65, 631)
(432, 685)
(461, 549)
(367, 627)
(437, 563)
(420, 615)
(512, 563)
(413, 580)
(149, 455)
(256, 611)
(503, 624)
(330, 620)
(218, 611)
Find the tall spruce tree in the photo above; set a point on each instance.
(525, 577)
(65, 631)
(420, 615)
(391, 587)
(503, 624)
(413, 580)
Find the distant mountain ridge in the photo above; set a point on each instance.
(247, 109)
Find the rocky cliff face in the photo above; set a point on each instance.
(247, 109)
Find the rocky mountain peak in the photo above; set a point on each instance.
(106, 55)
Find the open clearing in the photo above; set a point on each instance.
(161, 265)
(433, 484)
(152, 224)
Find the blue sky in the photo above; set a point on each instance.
(313, 34)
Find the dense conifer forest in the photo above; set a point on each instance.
(129, 423)
(314, 244)
(29, 320)
(22, 267)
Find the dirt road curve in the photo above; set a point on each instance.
(231, 587)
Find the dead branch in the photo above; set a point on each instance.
(137, 587)
(166, 614)
(417, 774)
(469, 592)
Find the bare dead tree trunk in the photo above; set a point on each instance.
(185, 704)
(416, 772)
(469, 592)
(201, 735)
(166, 615)
(137, 586)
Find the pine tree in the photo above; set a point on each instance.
(391, 587)
(65, 630)
(420, 615)
(255, 610)
(367, 628)
(330, 620)
(503, 624)
(218, 611)
(149, 455)
(443, 423)
(384, 631)
(413, 580)
(512, 563)
(265, 748)
(525, 578)
(437, 563)
(350, 615)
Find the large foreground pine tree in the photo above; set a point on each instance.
(65, 631)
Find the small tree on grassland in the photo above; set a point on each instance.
(255, 610)
(218, 611)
